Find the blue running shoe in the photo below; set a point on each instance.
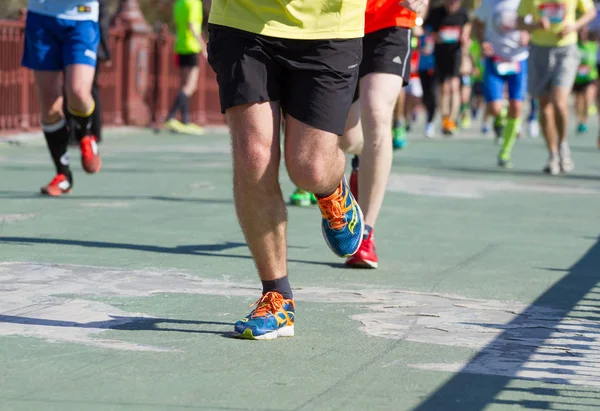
(273, 317)
(342, 223)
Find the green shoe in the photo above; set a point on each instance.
(301, 198)
(399, 137)
(175, 126)
(465, 121)
(313, 199)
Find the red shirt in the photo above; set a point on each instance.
(382, 14)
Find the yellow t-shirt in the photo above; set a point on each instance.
(293, 19)
(559, 12)
(186, 12)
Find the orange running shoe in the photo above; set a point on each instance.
(448, 126)
(90, 159)
(342, 222)
(366, 256)
(59, 185)
(273, 317)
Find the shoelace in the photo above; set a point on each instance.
(269, 303)
(334, 210)
(86, 147)
(59, 178)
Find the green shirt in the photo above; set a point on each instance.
(587, 70)
(186, 13)
(475, 53)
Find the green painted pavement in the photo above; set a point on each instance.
(122, 295)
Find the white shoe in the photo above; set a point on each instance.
(566, 162)
(534, 129)
(553, 166)
(430, 130)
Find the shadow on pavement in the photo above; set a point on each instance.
(205, 250)
(559, 348)
(125, 324)
(25, 195)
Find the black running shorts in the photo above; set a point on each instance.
(447, 65)
(386, 51)
(313, 79)
(186, 60)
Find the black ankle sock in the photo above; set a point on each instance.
(57, 139)
(355, 163)
(82, 123)
(185, 109)
(281, 285)
(368, 230)
(180, 104)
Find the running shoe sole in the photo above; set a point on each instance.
(247, 334)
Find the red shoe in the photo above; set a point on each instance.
(90, 159)
(366, 256)
(59, 185)
(354, 183)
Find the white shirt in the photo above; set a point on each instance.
(500, 19)
(65, 9)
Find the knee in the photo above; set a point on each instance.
(79, 97)
(309, 172)
(254, 161)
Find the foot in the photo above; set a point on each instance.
(301, 198)
(485, 129)
(195, 129)
(448, 127)
(272, 317)
(366, 256)
(175, 125)
(592, 110)
(534, 129)
(60, 184)
(566, 162)
(465, 120)
(553, 166)
(430, 130)
(504, 162)
(582, 128)
(342, 223)
(399, 137)
(90, 158)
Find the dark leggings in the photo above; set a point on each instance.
(429, 92)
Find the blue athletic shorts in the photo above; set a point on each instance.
(51, 44)
(494, 82)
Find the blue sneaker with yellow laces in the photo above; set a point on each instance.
(343, 223)
(272, 317)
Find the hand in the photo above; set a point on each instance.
(567, 29)
(544, 23)
(524, 40)
(487, 48)
(418, 6)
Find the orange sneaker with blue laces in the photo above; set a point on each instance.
(342, 223)
(272, 317)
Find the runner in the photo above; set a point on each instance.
(450, 26)
(505, 51)
(302, 57)
(477, 98)
(585, 81)
(554, 58)
(188, 45)
(408, 98)
(427, 77)
(62, 37)
(384, 70)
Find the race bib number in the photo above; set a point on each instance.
(506, 68)
(450, 34)
(584, 71)
(555, 12)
